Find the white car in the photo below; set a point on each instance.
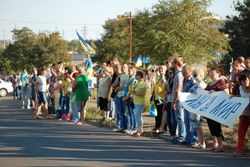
(5, 88)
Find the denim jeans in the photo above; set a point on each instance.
(130, 117)
(138, 115)
(75, 113)
(179, 116)
(65, 104)
(120, 112)
(171, 121)
(191, 134)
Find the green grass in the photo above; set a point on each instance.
(93, 113)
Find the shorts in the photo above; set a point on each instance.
(103, 103)
(42, 98)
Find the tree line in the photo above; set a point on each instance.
(170, 27)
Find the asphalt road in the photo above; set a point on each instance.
(27, 142)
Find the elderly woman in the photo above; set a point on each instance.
(219, 83)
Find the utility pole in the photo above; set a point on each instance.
(130, 37)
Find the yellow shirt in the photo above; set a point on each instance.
(159, 88)
(65, 86)
(139, 99)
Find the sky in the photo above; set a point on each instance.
(86, 16)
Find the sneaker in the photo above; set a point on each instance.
(79, 123)
(177, 141)
(183, 142)
(203, 146)
(133, 131)
(127, 131)
(118, 130)
(194, 145)
(23, 107)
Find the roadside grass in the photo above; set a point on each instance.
(93, 113)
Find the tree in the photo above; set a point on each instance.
(73, 45)
(175, 27)
(238, 29)
(115, 41)
(19, 52)
(29, 50)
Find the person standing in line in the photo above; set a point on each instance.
(219, 83)
(244, 121)
(176, 105)
(41, 88)
(80, 88)
(15, 86)
(26, 96)
(121, 82)
(116, 71)
(128, 102)
(188, 82)
(168, 113)
(103, 90)
(65, 101)
(75, 114)
(196, 120)
(158, 97)
(138, 93)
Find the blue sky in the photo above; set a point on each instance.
(87, 16)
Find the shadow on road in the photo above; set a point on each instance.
(53, 143)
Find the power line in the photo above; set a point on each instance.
(48, 23)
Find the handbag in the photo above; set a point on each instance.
(152, 110)
(113, 93)
(129, 101)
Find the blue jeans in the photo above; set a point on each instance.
(138, 115)
(65, 104)
(179, 116)
(191, 134)
(75, 113)
(171, 121)
(130, 117)
(120, 112)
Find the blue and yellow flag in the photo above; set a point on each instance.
(88, 52)
(85, 46)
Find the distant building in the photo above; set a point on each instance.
(77, 58)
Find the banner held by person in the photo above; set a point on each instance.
(217, 106)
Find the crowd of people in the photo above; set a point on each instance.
(120, 95)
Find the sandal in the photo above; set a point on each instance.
(137, 134)
(38, 117)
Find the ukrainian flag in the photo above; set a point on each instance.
(85, 46)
